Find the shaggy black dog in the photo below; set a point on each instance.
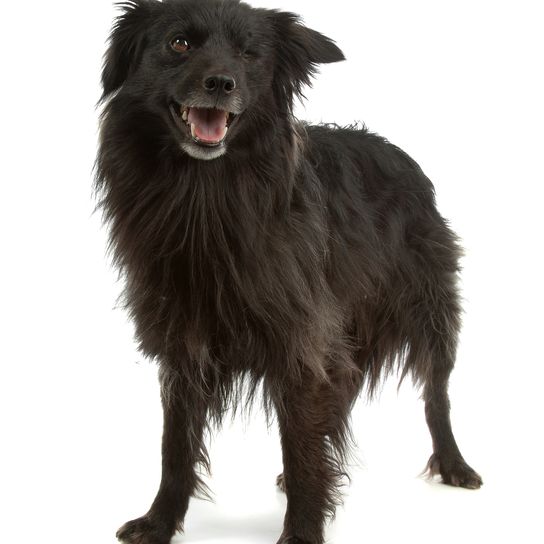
(259, 250)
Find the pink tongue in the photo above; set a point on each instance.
(210, 124)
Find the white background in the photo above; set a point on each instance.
(459, 86)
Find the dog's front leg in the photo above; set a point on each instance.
(313, 418)
(183, 449)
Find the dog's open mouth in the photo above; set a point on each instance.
(207, 126)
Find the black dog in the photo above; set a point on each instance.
(310, 260)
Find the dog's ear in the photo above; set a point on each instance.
(126, 43)
(299, 52)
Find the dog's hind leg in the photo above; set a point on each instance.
(313, 420)
(446, 459)
(434, 325)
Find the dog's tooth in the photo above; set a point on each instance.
(193, 130)
(185, 115)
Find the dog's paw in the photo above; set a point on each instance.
(280, 482)
(454, 472)
(143, 530)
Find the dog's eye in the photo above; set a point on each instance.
(179, 44)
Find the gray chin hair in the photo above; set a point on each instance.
(203, 153)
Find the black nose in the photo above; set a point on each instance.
(221, 83)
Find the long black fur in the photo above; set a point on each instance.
(309, 259)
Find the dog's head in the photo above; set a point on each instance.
(211, 68)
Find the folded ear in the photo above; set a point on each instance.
(300, 50)
(126, 43)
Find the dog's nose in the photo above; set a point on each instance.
(220, 82)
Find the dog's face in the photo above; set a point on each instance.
(211, 68)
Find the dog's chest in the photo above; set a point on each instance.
(224, 301)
